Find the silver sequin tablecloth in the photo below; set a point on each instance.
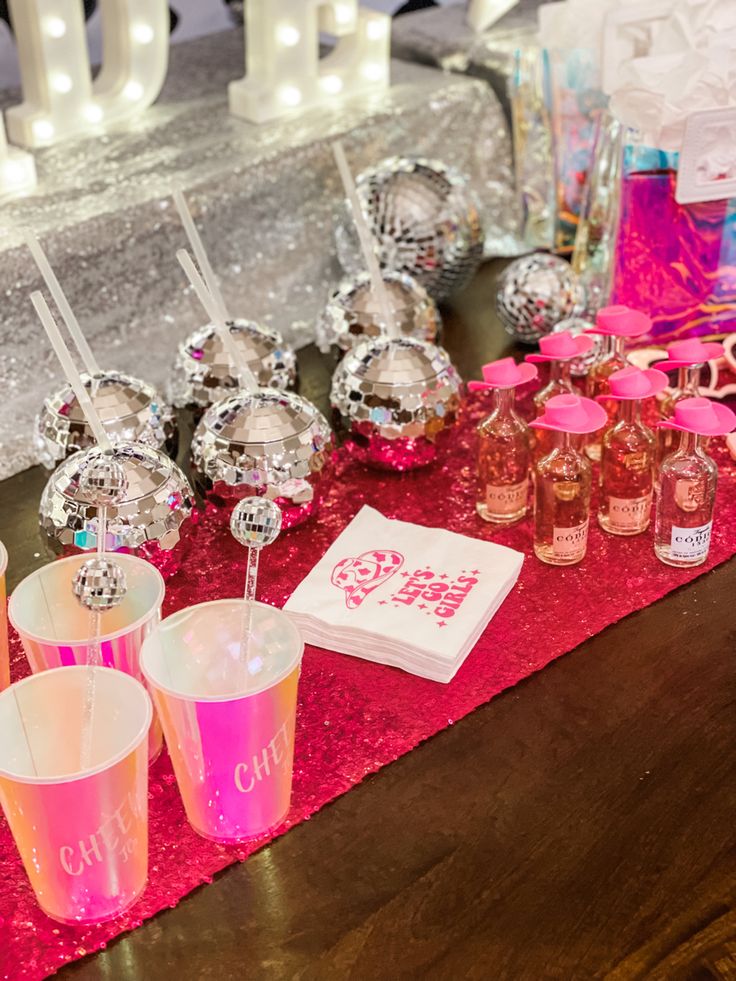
(264, 199)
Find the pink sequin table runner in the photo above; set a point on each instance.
(355, 717)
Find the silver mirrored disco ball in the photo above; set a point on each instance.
(99, 584)
(268, 442)
(353, 312)
(578, 325)
(425, 220)
(203, 373)
(156, 503)
(534, 293)
(392, 398)
(255, 522)
(130, 409)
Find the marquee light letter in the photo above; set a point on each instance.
(284, 70)
(483, 14)
(17, 169)
(59, 98)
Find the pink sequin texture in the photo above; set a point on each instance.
(355, 717)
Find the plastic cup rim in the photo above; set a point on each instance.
(3, 559)
(123, 754)
(234, 696)
(104, 637)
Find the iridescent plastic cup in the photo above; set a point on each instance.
(4, 652)
(229, 727)
(82, 833)
(54, 627)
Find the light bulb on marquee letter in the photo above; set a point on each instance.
(59, 97)
(17, 169)
(284, 70)
(483, 14)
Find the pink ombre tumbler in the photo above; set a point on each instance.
(55, 629)
(229, 725)
(82, 832)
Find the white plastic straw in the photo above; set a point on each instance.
(70, 370)
(366, 240)
(247, 379)
(200, 253)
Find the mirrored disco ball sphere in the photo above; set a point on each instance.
(392, 398)
(103, 480)
(99, 584)
(578, 325)
(425, 220)
(130, 409)
(156, 503)
(255, 522)
(534, 293)
(202, 372)
(353, 312)
(269, 443)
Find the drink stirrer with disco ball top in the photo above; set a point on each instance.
(99, 583)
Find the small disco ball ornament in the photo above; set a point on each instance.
(353, 312)
(103, 480)
(268, 443)
(202, 373)
(147, 519)
(255, 522)
(578, 325)
(534, 293)
(130, 409)
(425, 220)
(392, 398)
(99, 584)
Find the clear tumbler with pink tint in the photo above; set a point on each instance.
(82, 832)
(55, 629)
(228, 721)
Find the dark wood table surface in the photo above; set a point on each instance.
(579, 826)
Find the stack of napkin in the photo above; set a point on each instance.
(417, 598)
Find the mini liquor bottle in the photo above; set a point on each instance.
(503, 445)
(618, 324)
(628, 454)
(562, 480)
(687, 483)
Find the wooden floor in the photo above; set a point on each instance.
(580, 826)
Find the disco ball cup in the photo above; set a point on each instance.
(580, 367)
(130, 410)
(203, 372)
(536, 292)
(148, 518)
(425, 220)
(392, 398)
(353, 312)
(269, 443)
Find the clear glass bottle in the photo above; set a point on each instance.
(686, 496)
(560, 383)
(688, 387)
(627, 473)
(614, 359)
(503, 461)
(562, 485)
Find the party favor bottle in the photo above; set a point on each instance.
(687, 483)
(628, 454)
(562, 480)
(503, 445)
(619, 324)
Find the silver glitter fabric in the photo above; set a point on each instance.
(425, 219)
(534, 293)
(353, 312)
(99, 584)
(255, 522)
(580, 367)
(396, 389)
(268, 442)
(203, 373)
(103, 480)
(130, 409)
(157, 501)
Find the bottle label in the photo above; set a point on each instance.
(629, 514)
(569, 544)
(690, 543)
(507, 498)
(690, 494)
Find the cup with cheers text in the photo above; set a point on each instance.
(55, 629)
(81, 828)
(228, 719)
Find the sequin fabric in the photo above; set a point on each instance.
(355, 717)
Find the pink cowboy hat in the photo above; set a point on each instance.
(571, 414)
(683, 354)
(561, 347)
(634, 383)
(360, 576)
(701, 416)
(620, 321)
(505, 373)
